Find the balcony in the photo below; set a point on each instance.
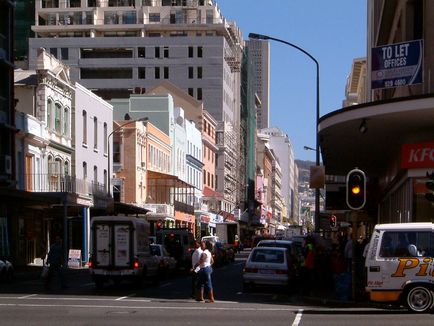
(43, 182)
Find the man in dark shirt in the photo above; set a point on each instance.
(55, 260)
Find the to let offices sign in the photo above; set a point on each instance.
(397, 64)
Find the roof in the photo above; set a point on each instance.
(405, 226)
(25, 77)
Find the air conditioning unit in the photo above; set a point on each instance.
(5, 164)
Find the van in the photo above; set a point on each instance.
(120, 250)
(400, 265)
(179, 243)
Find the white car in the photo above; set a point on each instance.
(167, 262)
(6, 270)
(267, 266)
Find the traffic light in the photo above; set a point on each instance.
(430, 186)
(333, 221)
(356, 189)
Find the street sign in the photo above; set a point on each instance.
(398, 64)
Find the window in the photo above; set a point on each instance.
(154, 17)
(166, 52)
(49, 113)
(142, 73)
(199, 51)
(190, 92)
(199, 94)
(142, 52)
(190, 52)
(157, 51)
(105, 138)
(58, 118)
(190, 72)
(84, 117)
(95, 174)
(64, 54)
(66, 122)
(106, 73)
(95, 132)
(157, 72)
(199, 72)
(53, 51)
(407, 244)
(84, 170)
(166, 72)
(116, 152)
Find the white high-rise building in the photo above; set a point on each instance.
(259, 53)
(284, 151)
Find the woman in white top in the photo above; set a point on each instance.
(205, 263)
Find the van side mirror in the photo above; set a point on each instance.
(412, 249)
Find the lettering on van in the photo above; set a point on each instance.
(406, 264)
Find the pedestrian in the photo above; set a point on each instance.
(55, 261)
(308, 267)
(348, 253)
(205, 281)
(195, 257)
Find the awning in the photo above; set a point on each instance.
(159, 217)
(122, 208)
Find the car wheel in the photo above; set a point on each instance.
(419, 299)
(247, 287)
(99, 283)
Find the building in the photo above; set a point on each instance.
(188, 43)
(61, 146)
(391, 132)
(7, 127)
(259, 53)
(282, 147)
(171, 190)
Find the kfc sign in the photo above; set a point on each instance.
(416, 156)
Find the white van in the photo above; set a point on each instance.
(120, 250)
(400, 265)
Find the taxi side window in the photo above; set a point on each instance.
(407, 244)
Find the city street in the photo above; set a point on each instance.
(169, 303)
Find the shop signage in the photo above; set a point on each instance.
(398, 64)
(74, 258)
(204, 219)
(417, 156)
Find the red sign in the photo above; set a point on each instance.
(416, 156)
(205, 219)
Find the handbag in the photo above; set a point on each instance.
(44, 273)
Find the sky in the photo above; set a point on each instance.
(332, 31)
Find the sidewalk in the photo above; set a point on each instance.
(33, 272)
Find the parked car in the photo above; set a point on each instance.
(295, 251)
(166, 262)
(6, 270)
(267, 266)
(179, 243)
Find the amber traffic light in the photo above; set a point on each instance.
(356, 189)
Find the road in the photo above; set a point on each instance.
(169, 303)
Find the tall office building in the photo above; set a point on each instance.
(259, 53)
(119, 47)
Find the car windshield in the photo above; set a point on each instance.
(155, 250)
(267, 256)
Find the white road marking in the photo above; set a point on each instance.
(195, 307)
(27, 296)
(298, 318)
(121, 298)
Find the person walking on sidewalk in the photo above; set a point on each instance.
(205, 282)
(55, 261)
(195, 257)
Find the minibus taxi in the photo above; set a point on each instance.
(400, 265)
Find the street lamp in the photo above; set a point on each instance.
(127, 117)
(317, 161)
